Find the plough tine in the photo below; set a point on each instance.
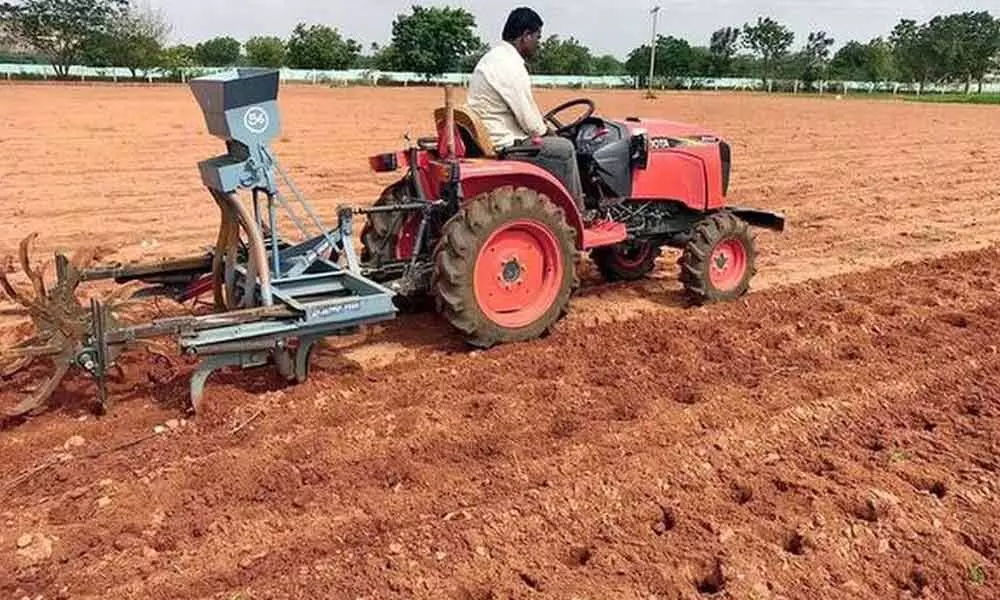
(30, 405)
(31, 352)
(36, 278)
(23, 354)
(9, 288)
(15, 367)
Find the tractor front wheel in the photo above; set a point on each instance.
(719, 260)
(505, 267)
(627, 261)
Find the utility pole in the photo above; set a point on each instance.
(655, 12)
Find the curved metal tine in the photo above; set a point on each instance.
(9, 288)
(34, 277)
(30, 405)
(16, 367)
(19, 363)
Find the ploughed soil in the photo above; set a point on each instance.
(834, 435)
(836, 439)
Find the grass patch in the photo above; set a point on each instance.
(977, 575)
(957, 98)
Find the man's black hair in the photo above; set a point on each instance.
(520, 21)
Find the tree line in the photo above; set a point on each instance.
(960, 47)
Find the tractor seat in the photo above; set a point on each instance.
(471, 133)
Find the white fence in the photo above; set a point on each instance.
(372, 77)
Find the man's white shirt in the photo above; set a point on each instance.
(500, 94)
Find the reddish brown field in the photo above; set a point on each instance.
(833, 436)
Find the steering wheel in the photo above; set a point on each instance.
(560, 128)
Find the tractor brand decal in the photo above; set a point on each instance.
(256, 119)
(659, 143)
(336, 309)
(665, 143)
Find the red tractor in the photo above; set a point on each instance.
(494, 240)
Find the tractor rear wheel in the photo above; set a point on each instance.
(627, 261)
(505, 267)
(386, 237)
(719, 260)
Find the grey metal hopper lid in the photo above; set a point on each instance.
(234, 88)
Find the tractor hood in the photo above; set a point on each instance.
(660, 128)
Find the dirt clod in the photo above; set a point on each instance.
(713, 581)
(795, 543)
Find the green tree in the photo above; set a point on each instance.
(674, 55)
(320, 47)
(563, 57)
(863, 62)
(135, 40)
(913, 51)
(702, 62)
(850, 62)
(814, 58)
(768, 40)
(468, 63)
(608, 65)
(948, 47)
(434, 40)
(265, 51)
(218, 52)
(979, 43)
(723, 46)
(176, 59)
(880, 61)
(59, 29)
(673, 59)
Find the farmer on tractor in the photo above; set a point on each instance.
(500, 94)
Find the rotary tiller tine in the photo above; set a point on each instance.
(23, 354)
(19, 362)
(36, 278)
(40, 397)
(9, 288)
(15, 367)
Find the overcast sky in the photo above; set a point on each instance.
(614, 26)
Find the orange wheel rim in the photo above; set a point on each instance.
(727, 265)
(518, 273)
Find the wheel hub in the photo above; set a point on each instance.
(511, 272)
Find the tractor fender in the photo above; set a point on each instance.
(481, 176)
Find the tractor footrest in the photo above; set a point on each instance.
(604, 233)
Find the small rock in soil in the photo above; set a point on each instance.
(159, 429)
(39, 549)
(25, 540)
(77, 493)
(103, 501)
(173, 424)
(74, 442)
